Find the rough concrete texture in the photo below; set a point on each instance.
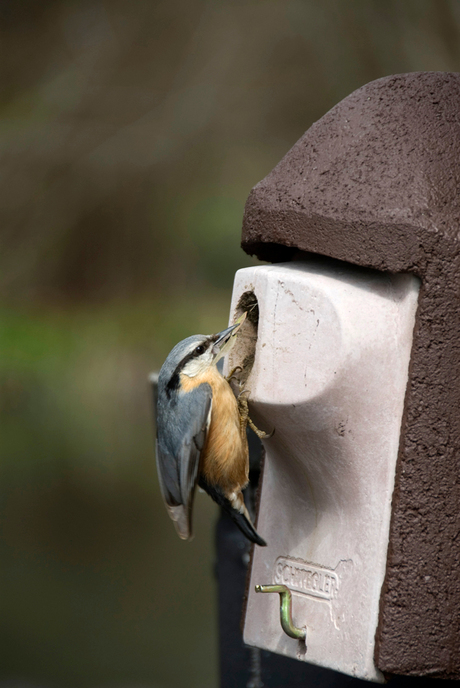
(325, 333)
(375, 182)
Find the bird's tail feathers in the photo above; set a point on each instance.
(234, 505)
(244, 524)
(240, 515)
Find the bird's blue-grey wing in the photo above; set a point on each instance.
(182, 427)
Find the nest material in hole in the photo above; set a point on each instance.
(244, 349)
(248, 302)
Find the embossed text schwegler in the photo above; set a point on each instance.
(305, 578)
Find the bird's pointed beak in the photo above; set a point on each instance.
(226, 339)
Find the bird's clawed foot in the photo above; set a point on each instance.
(232, 375)
(260, 433)
(243, 409)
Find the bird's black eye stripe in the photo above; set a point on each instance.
(174, 382)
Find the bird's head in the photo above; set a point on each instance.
(196, 354)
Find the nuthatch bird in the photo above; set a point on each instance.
(201, 432)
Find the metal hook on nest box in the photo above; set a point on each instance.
(285, 610)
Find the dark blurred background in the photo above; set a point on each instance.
(131, 134)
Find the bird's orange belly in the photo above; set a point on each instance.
(224, 459)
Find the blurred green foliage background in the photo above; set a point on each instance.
(130, 135)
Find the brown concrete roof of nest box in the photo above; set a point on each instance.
(375, 182)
